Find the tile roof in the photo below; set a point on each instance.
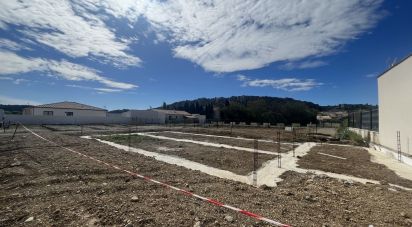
(175, 112)
(69, 105)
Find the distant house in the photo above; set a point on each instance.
(161, 116)
(395, 105)
(68, 109)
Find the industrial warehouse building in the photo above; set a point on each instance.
(161, 116)
(395, 106)
(68, 109)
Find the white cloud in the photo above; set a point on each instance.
(11, 45)
(232, 35)
(67, 27)
(220, 36)
(5, 100)
(13, 64)
(5, 78)
(303, 65)
(100, 90)
(19, 81)
(286, 84)
(371, 75)
(242, 78)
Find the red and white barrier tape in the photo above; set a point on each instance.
(212, 201)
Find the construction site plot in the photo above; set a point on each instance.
(300, 134)
(266, 145)
(237, 161)
(350, 161)
(123, 176)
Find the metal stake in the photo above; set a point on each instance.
(293, 141)
(279, 156)
(255, 162)
(130, 137)
(15, 130)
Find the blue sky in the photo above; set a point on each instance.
(137, 54)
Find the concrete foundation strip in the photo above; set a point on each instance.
(228, 137)
(211, 201)
(333, 156)
(207, 143)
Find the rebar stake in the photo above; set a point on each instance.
(279, 156)
(255, 162)
(130, 137)
(15, 130)
(293, 141)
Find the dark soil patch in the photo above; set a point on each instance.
(358, 164)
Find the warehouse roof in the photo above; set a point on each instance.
(175, 112)
(69, 105)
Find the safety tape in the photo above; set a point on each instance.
(211, 201)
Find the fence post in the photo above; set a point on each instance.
(360, 119)
(370, 119)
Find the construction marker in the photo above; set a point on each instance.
(211, 201)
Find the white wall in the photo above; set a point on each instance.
(395, 106)
(372, 135)
(76, 113)
(63, 120)
(145, 116)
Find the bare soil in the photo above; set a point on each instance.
(59, 188)
(300, 135)
(240, 162)
(358, 163)
(267, 146)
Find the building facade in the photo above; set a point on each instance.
(160, 116)
(65, 109)
(395, 106)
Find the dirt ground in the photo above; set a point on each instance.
(358, 163)
(300, 135)
(266, 146)
(240, 162)
(59, 188)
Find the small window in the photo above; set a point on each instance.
(47, 113)
(69, 114)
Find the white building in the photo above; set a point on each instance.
(160, 116)
(68, 109)
(395, 105)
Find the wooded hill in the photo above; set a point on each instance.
(251, 109)
(259, 109)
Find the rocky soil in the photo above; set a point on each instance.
(42, 184)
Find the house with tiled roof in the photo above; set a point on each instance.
(68, 109)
